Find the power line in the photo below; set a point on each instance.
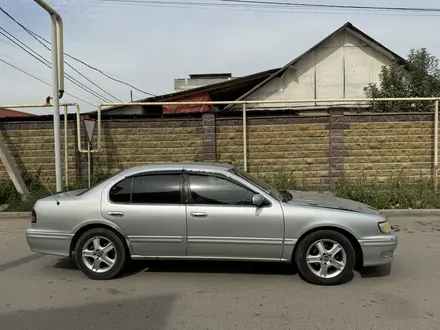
(94, 68)
(39, 38)
(42, 60)
(72, 67)
(42, 80)
(67, 76)
(23, 46)
(278, 7)
(296, 4)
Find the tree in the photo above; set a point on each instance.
(419, 76)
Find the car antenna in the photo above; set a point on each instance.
(47, 187)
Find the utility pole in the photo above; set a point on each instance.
(57, 82)
(131, 95)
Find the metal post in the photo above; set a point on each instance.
(436, 146)
(56, 104)
(88, 163)
(57, 82)
(66, 155)
(244, 138)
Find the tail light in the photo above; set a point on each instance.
(34, 216)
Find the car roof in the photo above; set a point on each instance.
(179, 166)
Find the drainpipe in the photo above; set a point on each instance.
(57, 82)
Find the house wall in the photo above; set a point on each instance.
(340, 68)
(317, 149)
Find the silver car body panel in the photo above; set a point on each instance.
(267, 233)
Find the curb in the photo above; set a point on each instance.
(412, 213)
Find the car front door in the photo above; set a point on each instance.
(149, 208)
(223, 223)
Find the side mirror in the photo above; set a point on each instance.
(258, 200)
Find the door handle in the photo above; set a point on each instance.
(116, 214)
(199, 214)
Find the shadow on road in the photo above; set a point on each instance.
(373, 272)
(219, 267)
(142, 313)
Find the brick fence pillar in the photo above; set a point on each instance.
(208, 126)
(336, 145)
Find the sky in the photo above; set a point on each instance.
(150, 46)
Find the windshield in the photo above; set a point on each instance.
(274, 192)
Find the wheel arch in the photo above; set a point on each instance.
(353, 240)
(92, 225)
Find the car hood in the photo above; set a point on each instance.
(330, 202)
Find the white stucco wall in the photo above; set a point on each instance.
(340, 68)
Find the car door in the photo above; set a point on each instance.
(222, 222)
(149, 208)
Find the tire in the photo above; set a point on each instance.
(96, 258)
(314, 256)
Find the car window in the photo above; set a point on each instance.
(213, 190)
(120, 192)
(157, 189)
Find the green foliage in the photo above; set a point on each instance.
(282, 180)
(418, 77)
(10, 196)
(397, 192)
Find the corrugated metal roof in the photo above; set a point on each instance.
(14, 113)
(218, 87)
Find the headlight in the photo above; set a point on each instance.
(385, 227)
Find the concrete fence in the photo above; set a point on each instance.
(319, 148)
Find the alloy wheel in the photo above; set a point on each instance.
(326, 258)
(99, 254)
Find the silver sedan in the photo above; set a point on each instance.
(205, 211)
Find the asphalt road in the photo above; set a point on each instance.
(45, 292)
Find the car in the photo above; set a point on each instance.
(209, 211)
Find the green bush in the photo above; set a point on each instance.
(394, 193)
(10, 196)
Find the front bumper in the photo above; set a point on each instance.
(378, 250)
(49, 242)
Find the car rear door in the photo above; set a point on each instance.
(222, 222)
(149, 208)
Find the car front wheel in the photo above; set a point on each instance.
(325, 257)
(100, 254)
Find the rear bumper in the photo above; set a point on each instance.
(49, 242)
(378, 250)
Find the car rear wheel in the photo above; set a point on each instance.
(325, 257)
(100, 254)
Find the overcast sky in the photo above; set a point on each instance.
(149, 46)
